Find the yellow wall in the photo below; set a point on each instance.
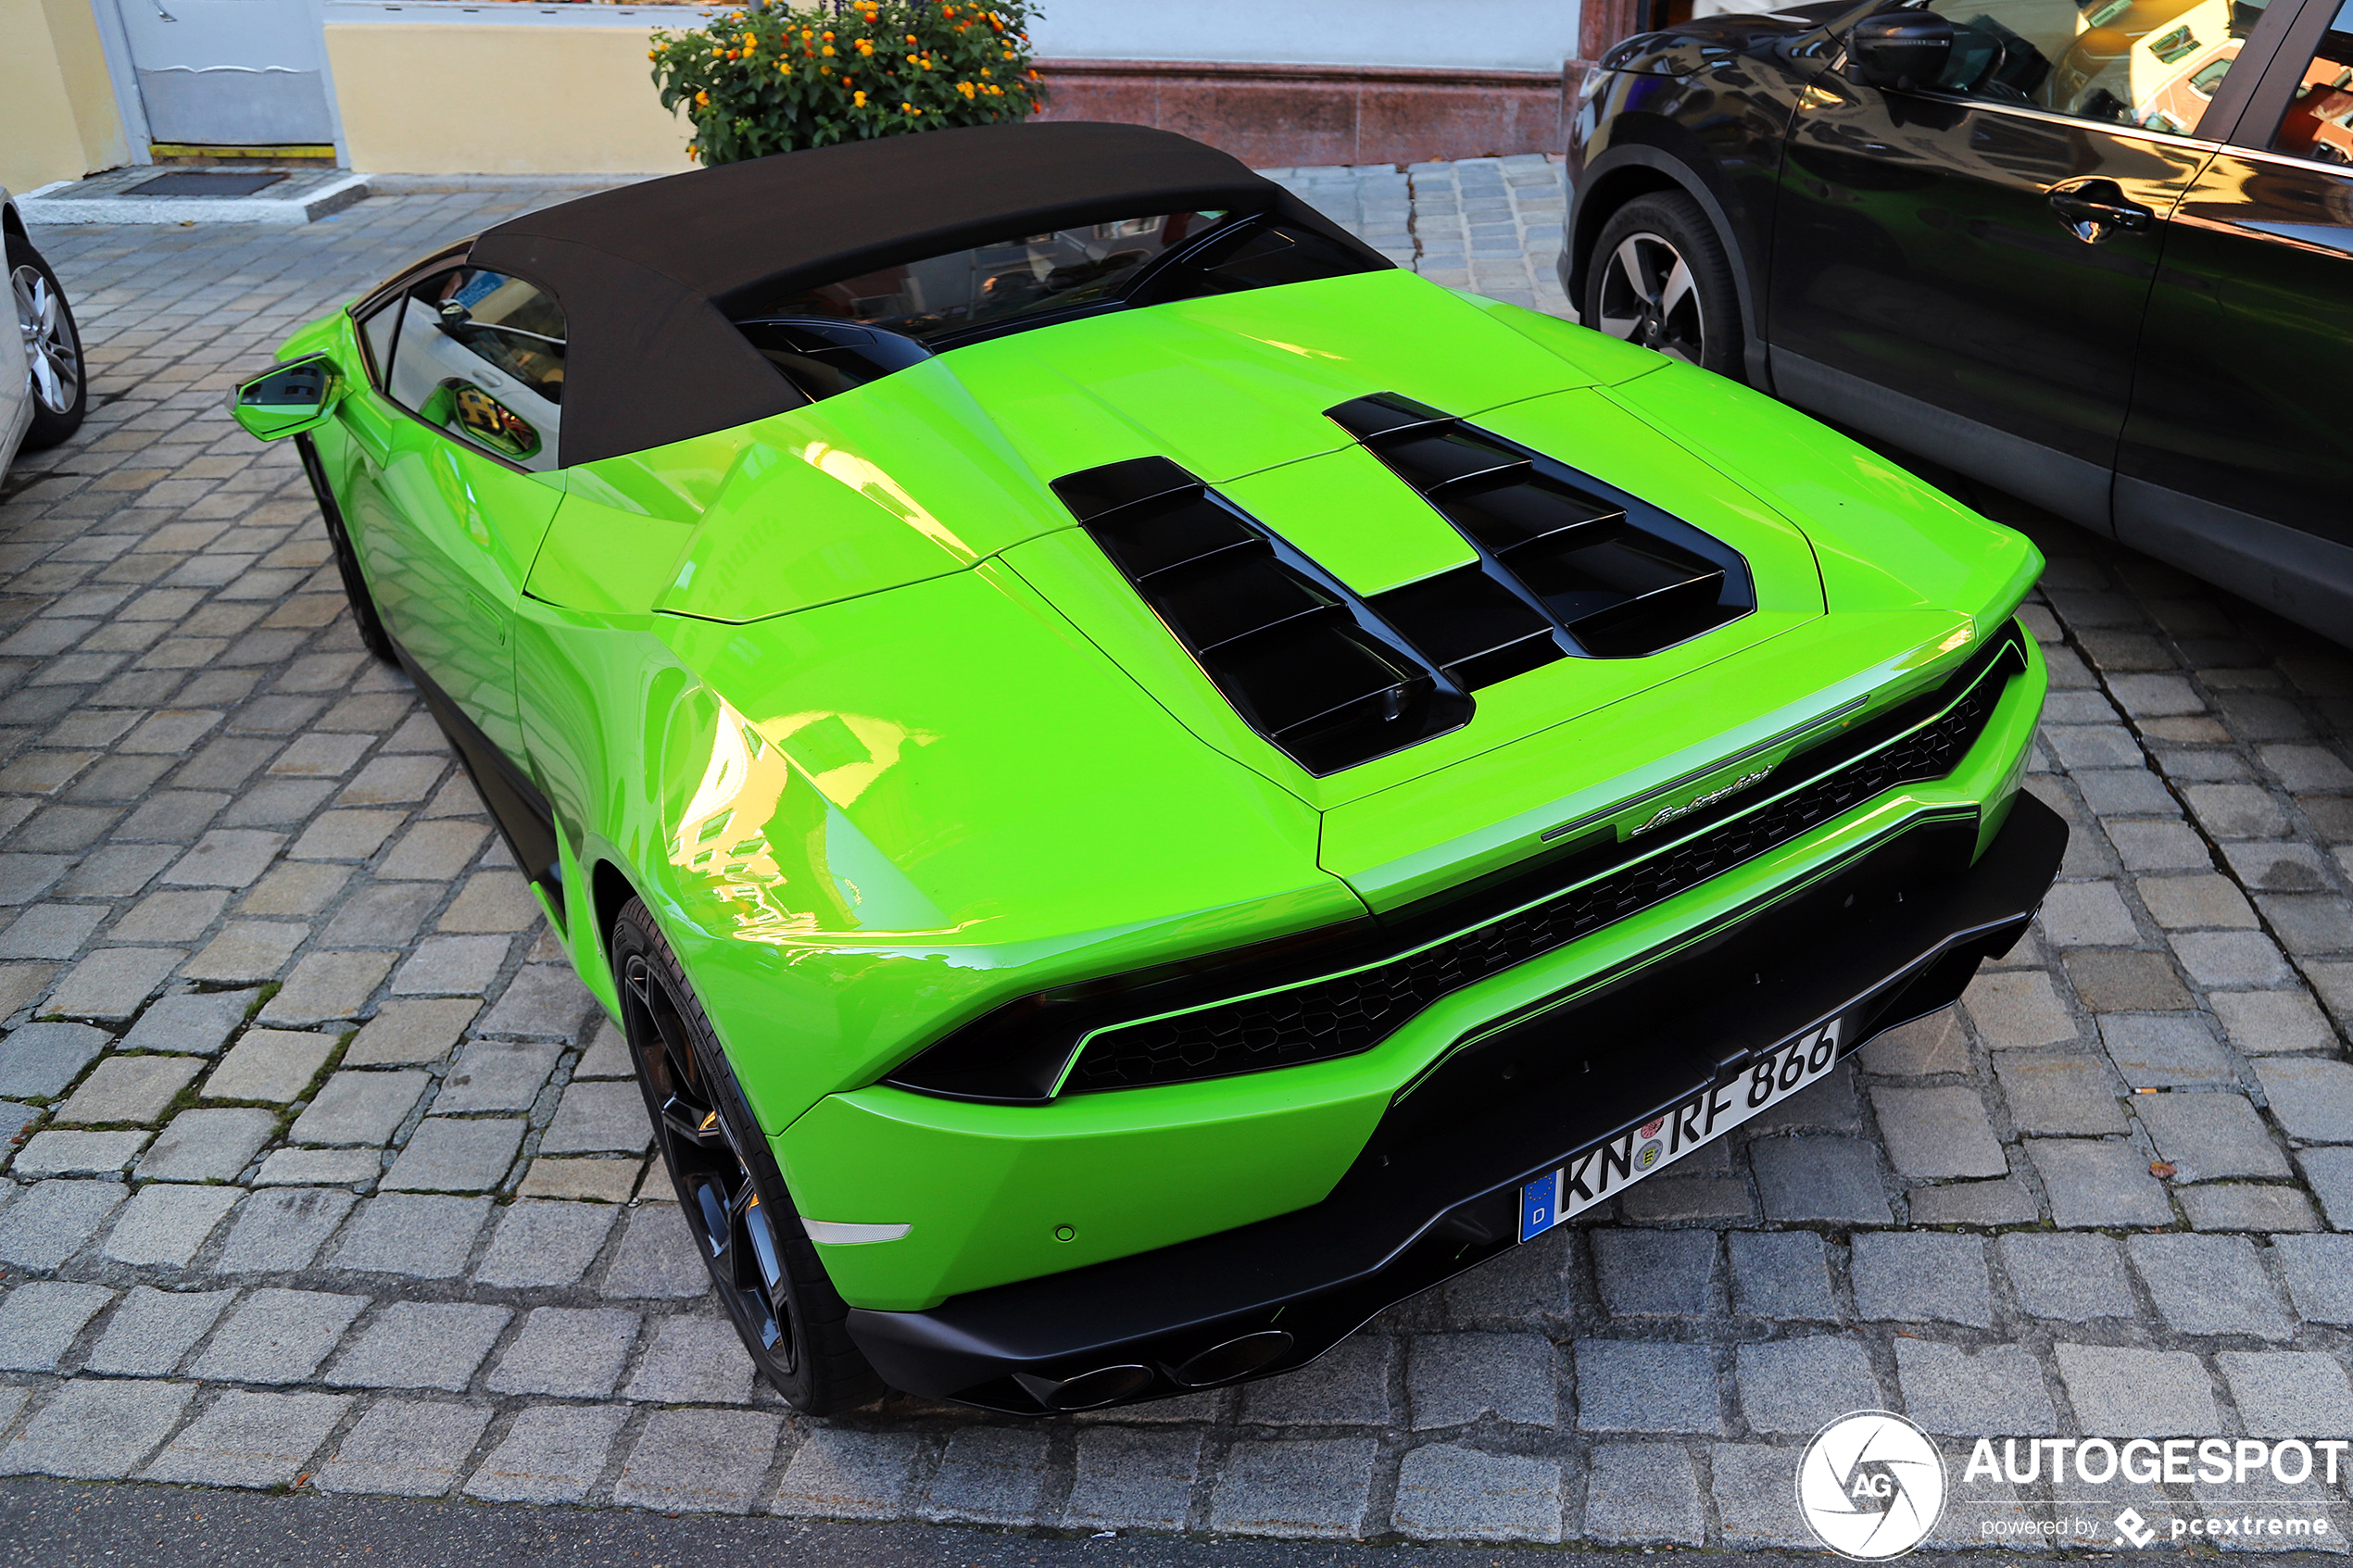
(57, 114)
(424, 98)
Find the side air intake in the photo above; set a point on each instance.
(1620, 578)
(1304, 661)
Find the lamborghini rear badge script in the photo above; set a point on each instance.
(1668, 813)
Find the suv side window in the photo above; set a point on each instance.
(2318, 122)
(2148, 63)
(481, 355)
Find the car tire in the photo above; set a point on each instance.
(61, 385)
(1658, 276)
(764, 1267)
(364, 618)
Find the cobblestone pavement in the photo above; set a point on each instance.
(324, 1174)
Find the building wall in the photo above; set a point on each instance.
(1478, 35)
(58, 119)
(1318, 81)
(1281, 116)
(434, 87)
(479, 97)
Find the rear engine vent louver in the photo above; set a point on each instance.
(1619, 577)
(1302, 659)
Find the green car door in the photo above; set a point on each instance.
(451, 480)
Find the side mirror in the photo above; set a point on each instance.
(1904, 50)
(291, 398)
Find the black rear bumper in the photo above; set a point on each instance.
(1891, 933)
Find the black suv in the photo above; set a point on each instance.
(2099, 255)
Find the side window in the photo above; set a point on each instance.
(2148, 63)
(2318, 122)
(481, 355)
(377, 328)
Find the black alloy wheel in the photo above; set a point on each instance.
(52, 346)
(764, 1268)
(1659, 277)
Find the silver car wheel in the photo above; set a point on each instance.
(1649, 296)
(48, 341)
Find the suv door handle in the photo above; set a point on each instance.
(2091, 207)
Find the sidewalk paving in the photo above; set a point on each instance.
(326, 1175)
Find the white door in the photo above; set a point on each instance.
(231, 72)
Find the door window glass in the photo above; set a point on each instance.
(2318, 122)
(2151, 63)
(377, 329)
(481, 355)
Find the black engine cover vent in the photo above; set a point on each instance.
(1619, 577)
(1308, 664)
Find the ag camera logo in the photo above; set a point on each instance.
(1870, 1486)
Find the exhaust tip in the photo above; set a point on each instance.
(1101, 1387)
(1235, 1358)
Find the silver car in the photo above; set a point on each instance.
(42, 387)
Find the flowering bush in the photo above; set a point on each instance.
(774, 79)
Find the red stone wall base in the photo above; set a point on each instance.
(1276, 116)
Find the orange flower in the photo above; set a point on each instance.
(826, 50)
(967, 89)
(694, 154)
(702, 100)
(859, 99)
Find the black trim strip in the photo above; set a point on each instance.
(526, 818)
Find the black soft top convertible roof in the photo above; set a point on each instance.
(649, 275)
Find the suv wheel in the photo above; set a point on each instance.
(1659, 277)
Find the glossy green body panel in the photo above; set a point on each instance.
(885, 742)
(986, 1188)
(1350, 516)
(853, 849)
(953, 459)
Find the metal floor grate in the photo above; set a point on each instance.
(204, 182)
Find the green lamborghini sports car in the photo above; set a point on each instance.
(1145, 783)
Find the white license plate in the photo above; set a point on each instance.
(1607, 1168)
